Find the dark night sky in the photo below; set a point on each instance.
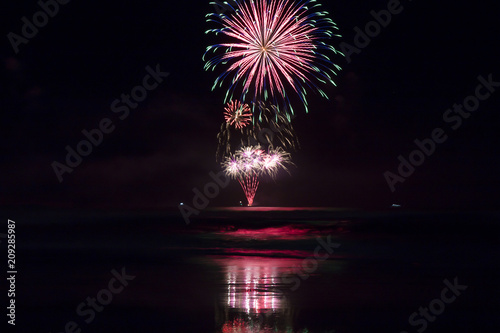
(395, 91)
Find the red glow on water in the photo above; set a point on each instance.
(245, 263)
(270, 253)
(254, 297)
(252, 282)
(272, 233)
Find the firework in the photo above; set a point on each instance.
(273, 46)
(237, 114)
(250, 163)
(270, 128)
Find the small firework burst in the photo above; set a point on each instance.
(249, 163)
(237, 114)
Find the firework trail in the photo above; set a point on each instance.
(250, 163)
(278, 125)
(273, 46)
(249, 185)
(270, 128)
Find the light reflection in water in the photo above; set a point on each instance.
(253, 298)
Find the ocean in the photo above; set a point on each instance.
(256, 270)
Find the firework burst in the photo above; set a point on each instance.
(274, 46)
(250, 163)
(237, 114)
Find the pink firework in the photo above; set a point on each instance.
(276, 45)
(249, 185)
(237, 114)
(249, 163)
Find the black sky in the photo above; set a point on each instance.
(395, 91)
